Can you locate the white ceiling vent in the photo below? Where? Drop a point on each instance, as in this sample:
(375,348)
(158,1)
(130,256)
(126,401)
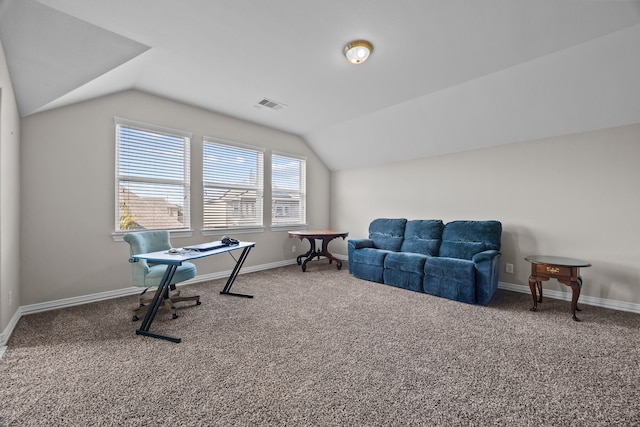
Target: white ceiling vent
(270,103)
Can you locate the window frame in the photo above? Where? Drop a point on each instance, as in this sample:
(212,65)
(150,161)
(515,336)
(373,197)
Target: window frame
(302,222)
(259,188)
(185,182)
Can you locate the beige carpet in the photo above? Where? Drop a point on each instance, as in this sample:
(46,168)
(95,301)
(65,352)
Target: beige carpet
(322,348)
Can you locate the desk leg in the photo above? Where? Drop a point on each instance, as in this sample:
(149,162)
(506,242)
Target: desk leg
(161,293)
(234,274)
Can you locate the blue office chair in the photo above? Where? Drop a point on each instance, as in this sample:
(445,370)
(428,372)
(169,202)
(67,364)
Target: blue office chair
(148,275)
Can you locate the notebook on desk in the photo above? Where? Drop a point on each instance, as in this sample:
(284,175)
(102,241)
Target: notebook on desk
(203,247)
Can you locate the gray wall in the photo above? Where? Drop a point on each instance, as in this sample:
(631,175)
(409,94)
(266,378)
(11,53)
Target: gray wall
(9,199)
(574,196)
(68,167)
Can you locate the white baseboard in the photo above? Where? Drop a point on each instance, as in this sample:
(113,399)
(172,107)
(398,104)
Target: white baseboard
(584,299)
(4,336)
(101,296)
(225,274)
(85,299)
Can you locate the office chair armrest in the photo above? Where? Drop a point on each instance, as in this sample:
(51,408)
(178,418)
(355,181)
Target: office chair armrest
(141,262)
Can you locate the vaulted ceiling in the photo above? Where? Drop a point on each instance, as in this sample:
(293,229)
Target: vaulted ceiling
(445,75)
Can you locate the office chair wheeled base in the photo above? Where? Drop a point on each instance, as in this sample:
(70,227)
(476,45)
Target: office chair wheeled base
(169,303)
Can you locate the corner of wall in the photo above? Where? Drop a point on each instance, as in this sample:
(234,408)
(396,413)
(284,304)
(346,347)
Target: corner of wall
(9,199)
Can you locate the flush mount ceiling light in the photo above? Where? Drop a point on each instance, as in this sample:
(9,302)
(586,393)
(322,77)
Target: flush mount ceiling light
(358,51)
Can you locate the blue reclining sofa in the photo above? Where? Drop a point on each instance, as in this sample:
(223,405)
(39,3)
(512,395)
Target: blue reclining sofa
(459,260)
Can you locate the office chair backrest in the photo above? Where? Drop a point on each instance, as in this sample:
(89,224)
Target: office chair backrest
(142,242)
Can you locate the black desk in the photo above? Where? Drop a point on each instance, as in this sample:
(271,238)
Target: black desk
(173,260)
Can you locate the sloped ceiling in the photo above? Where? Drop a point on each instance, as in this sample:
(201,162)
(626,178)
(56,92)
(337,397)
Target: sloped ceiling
(51,53)
(445,75)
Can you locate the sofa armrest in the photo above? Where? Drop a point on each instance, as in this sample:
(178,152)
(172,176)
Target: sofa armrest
(487,255)
(352,245)
(487,271)
(360,243)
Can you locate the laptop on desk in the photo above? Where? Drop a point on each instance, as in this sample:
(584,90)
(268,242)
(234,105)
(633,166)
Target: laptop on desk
(203,247)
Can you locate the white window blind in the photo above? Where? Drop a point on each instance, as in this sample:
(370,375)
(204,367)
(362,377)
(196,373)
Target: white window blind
(233,185)
(288,190)
(152,177)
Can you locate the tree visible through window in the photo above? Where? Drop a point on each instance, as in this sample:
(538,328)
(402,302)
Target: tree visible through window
(152,177)
(288,190)
(232,177)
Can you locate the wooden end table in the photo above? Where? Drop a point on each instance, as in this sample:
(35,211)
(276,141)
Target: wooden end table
(311,235)
(564,270)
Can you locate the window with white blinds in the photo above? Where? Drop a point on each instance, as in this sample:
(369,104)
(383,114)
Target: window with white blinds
(233,190)
(152,177)
(288,190)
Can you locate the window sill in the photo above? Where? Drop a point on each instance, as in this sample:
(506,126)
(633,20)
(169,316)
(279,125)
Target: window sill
(287,227)
(227,231)
(118,235)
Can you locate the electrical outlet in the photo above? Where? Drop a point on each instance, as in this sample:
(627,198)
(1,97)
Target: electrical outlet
(508,268)
(9,297)
(293,248)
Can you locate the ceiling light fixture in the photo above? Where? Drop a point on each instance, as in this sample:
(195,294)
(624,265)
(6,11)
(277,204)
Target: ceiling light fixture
(358,51)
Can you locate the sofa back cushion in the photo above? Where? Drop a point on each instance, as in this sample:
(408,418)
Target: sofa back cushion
(387,233)
(423,236)
(464,239)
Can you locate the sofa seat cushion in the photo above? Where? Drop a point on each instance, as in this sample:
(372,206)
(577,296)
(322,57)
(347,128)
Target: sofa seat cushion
(370,256)
(450,278)
(404,261)
(368,264)
(404,270)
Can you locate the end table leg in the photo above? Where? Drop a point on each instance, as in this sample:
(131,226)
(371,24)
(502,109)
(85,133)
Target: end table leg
(575,294)
(539,284)
(580,286)
(533,283)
